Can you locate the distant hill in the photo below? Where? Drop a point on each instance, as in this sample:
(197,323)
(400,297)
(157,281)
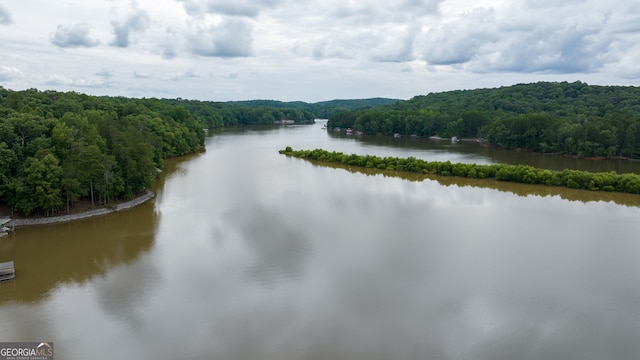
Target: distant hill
(559,117)
(322,109)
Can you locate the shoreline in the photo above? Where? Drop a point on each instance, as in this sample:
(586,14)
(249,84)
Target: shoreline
(17,223)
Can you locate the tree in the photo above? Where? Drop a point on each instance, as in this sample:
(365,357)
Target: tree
(40,189)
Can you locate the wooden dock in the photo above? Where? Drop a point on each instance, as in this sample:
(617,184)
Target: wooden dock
(7,271)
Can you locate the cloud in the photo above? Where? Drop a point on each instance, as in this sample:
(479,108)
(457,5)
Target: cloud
(73,36)
(372,13)
(138,22)
(518,39)
(141,75)
(248,8)
(5,16)
(372,47)
(422,6)
(458,41)
(10,73)
(330,48)
(568,50)
(93,81)
(104,73)
(396,46)
(167,45)
(563,42)
(232,37)
(182,76)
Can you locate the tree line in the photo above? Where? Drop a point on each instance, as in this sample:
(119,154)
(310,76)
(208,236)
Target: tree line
(57,148)
(265,112)
(574,179)
(565,118)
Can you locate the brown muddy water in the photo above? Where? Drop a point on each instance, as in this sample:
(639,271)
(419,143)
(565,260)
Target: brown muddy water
(248,254)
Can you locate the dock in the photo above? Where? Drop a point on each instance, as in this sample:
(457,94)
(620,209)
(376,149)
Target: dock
(4,231)
(7,271)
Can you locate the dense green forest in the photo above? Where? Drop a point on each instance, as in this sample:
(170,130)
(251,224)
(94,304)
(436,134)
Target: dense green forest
(322,109)
(57,148)
(565,118)
(574,179)
(265,112)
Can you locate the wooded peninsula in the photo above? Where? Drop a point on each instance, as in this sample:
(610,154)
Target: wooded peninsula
(574,179)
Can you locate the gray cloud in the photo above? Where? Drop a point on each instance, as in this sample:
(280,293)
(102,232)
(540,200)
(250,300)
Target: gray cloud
(329,48)
(5,16)
(522,39)
(167,46)
(396,48)
(137,22)
(230,38)
(563,51)
(447,43)
(104,73)
(444,47)
(248,8)
(73,36)
(563,41)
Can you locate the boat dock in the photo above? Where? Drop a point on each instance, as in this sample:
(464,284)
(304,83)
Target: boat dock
(4,231)
(7,271)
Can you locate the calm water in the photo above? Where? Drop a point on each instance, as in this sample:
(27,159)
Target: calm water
(248,254)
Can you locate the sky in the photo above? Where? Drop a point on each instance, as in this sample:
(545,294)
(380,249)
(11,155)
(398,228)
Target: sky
(313,50)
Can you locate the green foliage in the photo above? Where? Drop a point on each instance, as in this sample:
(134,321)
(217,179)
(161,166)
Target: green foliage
(567,118)
(266,112)
(56,148)
(575,179)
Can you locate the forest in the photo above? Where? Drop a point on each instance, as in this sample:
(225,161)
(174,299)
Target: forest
(574,179)
(564,118)
(265,112)
(57,148)
(60,148)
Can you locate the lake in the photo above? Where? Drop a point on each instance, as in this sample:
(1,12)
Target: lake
(248,254)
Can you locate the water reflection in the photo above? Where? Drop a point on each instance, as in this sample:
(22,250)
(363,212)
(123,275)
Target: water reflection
(472,152)
(279,249)
(46,257)
(514,188)
(249,254)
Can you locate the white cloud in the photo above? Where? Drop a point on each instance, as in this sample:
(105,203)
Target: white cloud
(73,36)
(10,73)
(82,82)
(317,49)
